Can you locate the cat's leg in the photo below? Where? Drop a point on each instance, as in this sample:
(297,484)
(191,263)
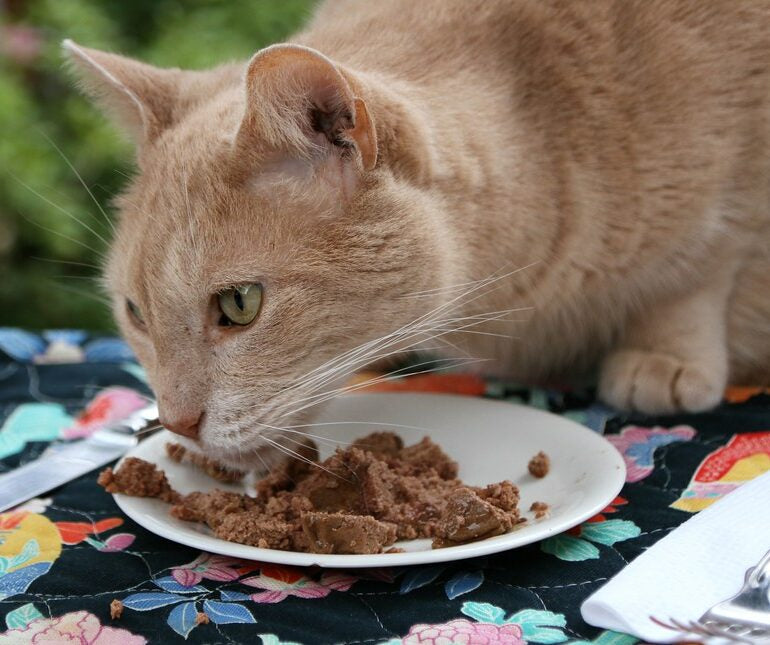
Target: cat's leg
(748,321)
(673,357)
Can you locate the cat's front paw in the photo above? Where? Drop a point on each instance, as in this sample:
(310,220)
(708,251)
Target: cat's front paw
(658,383)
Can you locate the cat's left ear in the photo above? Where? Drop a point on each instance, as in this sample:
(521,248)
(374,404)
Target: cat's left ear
(302,111)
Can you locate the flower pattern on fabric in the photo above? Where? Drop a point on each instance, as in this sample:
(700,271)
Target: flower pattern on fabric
(37,581)
(211,567)
(77,628)
(29,545)
(31,542)
(579,543)
(31,422)
(62,346)
(638,446)
(110,405)
(281,582)
(489,627)
(463,631)
(744,457)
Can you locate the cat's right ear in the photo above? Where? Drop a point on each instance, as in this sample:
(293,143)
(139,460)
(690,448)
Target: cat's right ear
(303,118)
(138,97)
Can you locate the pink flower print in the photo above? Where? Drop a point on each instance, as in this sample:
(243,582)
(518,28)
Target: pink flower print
(464,632)
(209,566)
(638,445)
(75,628)
(281,582)
(110,405)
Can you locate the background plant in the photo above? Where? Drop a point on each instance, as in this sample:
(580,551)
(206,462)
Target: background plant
(48,261)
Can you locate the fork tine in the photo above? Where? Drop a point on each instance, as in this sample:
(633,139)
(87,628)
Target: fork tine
(714,629)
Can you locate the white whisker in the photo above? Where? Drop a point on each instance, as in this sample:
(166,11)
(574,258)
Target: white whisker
(81,180)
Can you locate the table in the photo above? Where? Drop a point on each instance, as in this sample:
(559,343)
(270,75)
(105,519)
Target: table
(66,556)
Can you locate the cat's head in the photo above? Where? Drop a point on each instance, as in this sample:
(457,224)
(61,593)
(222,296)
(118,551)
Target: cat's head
(259,239)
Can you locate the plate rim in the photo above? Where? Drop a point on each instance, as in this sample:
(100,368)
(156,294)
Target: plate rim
(356,561)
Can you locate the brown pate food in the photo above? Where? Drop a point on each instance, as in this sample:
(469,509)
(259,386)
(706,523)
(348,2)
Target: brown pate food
(539,465)
(362,499)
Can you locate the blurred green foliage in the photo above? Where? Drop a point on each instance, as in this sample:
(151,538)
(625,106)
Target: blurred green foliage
(48,260)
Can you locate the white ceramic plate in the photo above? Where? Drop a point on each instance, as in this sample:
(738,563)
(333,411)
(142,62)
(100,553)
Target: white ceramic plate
(491,441)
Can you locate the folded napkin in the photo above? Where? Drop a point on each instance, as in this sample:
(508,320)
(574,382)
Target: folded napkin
(699,564)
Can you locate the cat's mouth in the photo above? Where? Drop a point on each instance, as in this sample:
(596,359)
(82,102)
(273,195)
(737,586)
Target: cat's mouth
(237,453)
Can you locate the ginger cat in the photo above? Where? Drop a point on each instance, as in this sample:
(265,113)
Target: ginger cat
(408,175)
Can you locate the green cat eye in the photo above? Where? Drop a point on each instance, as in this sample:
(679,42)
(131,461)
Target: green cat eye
(240,305)
(134,311)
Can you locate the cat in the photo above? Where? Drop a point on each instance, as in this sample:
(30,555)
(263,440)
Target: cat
(540,185)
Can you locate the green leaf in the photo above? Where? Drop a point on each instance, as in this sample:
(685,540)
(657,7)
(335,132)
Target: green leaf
(484,612)
(272,639)
(29,551)
(615,638)
(97,544)
(569,548)
(538,626)
(609,638)
(609,531)
(22,616)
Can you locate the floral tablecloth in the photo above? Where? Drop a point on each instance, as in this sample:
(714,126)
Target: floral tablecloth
(65,557)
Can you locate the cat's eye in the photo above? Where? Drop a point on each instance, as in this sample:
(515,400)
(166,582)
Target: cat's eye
(135,313)
(240,305)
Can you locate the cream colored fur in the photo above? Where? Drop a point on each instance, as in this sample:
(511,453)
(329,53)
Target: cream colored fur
(620,150)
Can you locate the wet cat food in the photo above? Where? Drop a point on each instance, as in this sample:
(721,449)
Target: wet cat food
(362,499)
(138,478)
(178,453)
(540,509)
(539,465)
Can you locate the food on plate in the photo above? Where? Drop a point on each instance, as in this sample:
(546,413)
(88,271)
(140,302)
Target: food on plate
(539,465)
(362,499)
(178,453)
(540,509)
(138,478)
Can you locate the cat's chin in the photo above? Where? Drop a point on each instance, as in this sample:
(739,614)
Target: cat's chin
(259,459)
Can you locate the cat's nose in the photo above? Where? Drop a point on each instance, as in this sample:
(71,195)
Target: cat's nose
(185,425)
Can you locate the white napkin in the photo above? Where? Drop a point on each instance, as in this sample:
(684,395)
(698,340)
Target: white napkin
(697,565)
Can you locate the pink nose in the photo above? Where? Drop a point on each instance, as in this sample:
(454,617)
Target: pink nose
(186,426)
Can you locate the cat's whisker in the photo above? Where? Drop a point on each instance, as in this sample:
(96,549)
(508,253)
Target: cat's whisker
(84,294)
(451,287)
(456,301)
(477,319)
(334,394)
(75,218)
(81,180)
(304,434)
(393,372)
(64,237)
(325,396)
(330,374)
(67,262)
(295,455)
(379,424)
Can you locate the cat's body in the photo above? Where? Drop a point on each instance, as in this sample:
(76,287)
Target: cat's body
(617,152)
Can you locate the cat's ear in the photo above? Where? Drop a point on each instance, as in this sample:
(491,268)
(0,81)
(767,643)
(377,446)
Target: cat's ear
(139,97)
(301,108)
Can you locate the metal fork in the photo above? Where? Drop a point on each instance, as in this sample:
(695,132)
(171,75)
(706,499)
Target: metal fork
(744,618)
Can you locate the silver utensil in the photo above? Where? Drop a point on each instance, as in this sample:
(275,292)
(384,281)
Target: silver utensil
(744,618)
(64,462)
